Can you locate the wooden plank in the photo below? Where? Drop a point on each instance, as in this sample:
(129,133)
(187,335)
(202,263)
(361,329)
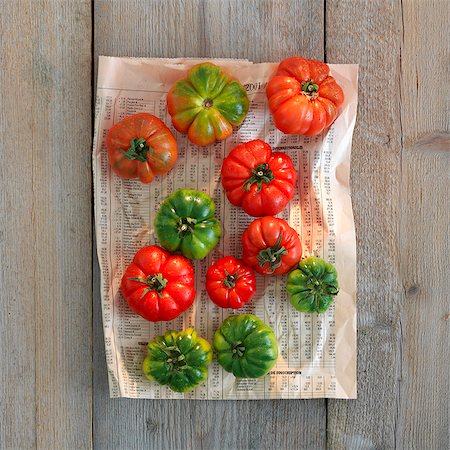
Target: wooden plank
(17,308)
(46,310)
(398,186)
(424,389)
(63,224)
(374,42)
(261,31)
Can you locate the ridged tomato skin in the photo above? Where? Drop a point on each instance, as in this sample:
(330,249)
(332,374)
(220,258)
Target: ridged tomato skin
(262,182)
(271,246)
(207,104)
(157,285)
(141,146)
(303,97)
(230,283)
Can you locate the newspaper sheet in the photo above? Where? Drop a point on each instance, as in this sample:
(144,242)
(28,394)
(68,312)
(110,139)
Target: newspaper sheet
(317,353)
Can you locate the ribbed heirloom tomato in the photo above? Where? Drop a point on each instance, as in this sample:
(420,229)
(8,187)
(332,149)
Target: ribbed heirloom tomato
(141,146)
(303,97)
(313,285)
(271,246)
(178,359)
(260,181)
(207,104)
(158,285)
(185,222)
(246,346)
(230,283)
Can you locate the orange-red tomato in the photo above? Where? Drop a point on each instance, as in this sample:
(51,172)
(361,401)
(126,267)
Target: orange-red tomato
(158,285)
(303,97)
(260,181)
(141,146)
(271,246)
(230,283)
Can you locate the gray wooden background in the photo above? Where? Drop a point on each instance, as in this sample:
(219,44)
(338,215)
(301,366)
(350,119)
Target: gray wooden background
(53,381)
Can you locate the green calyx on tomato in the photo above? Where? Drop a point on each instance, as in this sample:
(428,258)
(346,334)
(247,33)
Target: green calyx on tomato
(185,222)
(138,150)
(246,346)
(310,88)
(261,174)
(186,225)
(155,282)
(313,285)
(178,359)
(207,104)
(230,279)
(272,255)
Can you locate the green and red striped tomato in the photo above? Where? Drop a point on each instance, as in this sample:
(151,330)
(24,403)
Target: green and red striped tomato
(207,104)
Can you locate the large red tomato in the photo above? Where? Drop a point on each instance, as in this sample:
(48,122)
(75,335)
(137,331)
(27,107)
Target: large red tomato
(260,181)
(141,146)
(303,97)
(230,283)
(158,285)
(271,246)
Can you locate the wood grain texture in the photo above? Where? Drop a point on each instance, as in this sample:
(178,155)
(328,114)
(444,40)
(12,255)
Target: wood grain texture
(257,30)
(369,422)
(398,186)
(424,388)
(17,308)
(46,307)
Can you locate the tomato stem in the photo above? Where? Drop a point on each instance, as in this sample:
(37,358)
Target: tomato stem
(138,150)
(208,103)
(272,255)
(310,89)
(238,349)
(186,225)
(261,174)
(154,282)
(175,359)
(230,280)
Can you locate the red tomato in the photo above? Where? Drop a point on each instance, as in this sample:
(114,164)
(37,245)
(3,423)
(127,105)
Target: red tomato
(271,246)
(158,285)
(141,146)
(303,97)
(230,283)
(260,181)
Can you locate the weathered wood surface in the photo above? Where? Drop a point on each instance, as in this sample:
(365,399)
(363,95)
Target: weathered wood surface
(400,179)
(45,231)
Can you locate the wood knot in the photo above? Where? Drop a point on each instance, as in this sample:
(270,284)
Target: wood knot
(412,291)
(151,425)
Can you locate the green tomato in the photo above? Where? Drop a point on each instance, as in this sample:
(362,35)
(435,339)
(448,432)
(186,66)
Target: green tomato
(246,346)
(178,359)
(313,286)
(185,222)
